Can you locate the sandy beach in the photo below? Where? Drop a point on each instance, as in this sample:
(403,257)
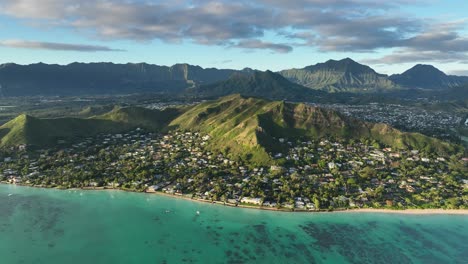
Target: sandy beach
(411,211)
(256,207)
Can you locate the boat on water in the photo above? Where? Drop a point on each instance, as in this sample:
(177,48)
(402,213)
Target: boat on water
(198,212)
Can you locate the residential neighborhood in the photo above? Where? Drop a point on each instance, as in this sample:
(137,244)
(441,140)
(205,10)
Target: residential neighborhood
(434,123)
(326,174)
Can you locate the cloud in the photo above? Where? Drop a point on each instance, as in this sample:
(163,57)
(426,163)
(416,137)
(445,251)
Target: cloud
(439,43)
(459,72)
(415,55)
(54,46)
(222,61)
(326,25)
(257,44)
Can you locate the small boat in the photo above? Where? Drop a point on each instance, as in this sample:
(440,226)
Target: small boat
(10,194)
(198,212)
(167,211)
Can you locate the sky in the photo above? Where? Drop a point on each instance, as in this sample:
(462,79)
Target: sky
(389,36)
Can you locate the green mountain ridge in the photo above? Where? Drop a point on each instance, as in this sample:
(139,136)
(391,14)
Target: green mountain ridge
(260,84)
(248,128)
(37,132)
(340,76)
(102,78)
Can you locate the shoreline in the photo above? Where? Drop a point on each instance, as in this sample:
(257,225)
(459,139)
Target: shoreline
(432,211)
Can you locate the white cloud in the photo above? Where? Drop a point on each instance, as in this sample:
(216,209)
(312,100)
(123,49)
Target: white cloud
(13,43)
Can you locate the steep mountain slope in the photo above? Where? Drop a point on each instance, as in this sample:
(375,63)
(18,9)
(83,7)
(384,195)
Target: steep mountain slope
(246,128)
(257,83)
(339,76)
(129,117)
(33,131)
(102,78)
(427,77)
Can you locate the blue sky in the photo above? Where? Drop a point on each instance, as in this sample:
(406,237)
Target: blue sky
(260,34)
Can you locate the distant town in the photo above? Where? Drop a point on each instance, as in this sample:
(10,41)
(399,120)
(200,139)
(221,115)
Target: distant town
(435,123)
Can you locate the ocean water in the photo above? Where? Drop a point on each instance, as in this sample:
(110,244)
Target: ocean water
(74,226)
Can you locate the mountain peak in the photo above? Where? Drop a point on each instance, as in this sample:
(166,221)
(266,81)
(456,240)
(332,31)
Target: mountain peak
(346,60)
(258,83)
(425,69)
(345,75)
(427,77)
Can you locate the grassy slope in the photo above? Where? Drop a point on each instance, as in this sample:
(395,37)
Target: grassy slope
(42,132)
(130,117)
(246,127)
(232,122)
(45,132)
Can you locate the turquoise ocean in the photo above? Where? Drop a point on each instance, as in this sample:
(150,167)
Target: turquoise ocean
(75,226)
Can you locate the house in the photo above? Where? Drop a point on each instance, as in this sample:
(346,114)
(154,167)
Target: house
(299,204)
(16,180)
(152,188)
(249,200)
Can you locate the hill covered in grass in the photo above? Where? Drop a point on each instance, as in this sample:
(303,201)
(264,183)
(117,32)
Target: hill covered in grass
(248,128)
(41,132)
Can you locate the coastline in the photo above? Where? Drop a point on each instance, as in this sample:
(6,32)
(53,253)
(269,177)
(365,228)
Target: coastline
(432,211)
(438,211)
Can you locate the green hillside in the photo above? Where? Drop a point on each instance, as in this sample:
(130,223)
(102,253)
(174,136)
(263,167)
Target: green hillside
(257,83)
(43,132)
(248,128)
(130,117)
(26,129)
(340,76)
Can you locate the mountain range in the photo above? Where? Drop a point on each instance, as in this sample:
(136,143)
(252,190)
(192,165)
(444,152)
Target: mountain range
(244,128)
(108,78)
(102,78)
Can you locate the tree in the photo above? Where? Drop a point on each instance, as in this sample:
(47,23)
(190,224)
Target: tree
(316,202)
(367,172)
